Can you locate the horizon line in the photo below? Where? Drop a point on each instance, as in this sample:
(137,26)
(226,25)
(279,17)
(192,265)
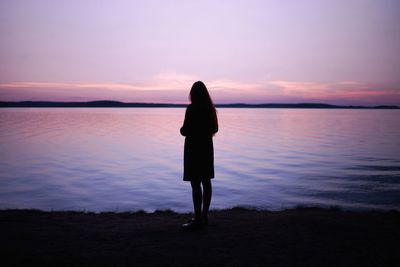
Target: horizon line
(116,103)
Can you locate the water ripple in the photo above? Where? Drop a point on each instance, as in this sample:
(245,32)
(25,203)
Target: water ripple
(129,159)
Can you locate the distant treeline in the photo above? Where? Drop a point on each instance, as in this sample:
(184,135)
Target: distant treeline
(117,104)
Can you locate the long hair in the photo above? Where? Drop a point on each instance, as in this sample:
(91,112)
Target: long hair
(200,98)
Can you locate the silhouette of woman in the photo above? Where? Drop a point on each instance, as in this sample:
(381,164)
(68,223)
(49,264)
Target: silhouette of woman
(199,127)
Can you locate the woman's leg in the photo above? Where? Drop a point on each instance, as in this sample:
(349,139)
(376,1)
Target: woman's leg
(207,193)
(197,199)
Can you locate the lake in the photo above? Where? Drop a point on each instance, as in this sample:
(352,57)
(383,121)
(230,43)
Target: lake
(127,159)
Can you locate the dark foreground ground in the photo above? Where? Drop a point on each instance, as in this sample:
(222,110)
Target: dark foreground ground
(237,237)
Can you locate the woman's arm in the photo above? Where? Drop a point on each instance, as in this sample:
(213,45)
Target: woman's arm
(215,130)
(185,129)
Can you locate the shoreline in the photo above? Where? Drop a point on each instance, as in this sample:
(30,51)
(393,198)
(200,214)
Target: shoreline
(303,236)
(249,208)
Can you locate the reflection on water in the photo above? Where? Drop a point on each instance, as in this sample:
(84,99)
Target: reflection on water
(128,159)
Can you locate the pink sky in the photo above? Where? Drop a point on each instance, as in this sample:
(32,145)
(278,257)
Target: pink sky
(339,52)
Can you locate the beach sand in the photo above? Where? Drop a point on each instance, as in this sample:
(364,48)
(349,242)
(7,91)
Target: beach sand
(235,237)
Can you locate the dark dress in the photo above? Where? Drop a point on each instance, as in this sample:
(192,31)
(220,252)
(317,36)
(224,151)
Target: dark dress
(199,127)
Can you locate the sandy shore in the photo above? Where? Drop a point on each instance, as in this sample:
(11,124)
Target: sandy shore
(236,237)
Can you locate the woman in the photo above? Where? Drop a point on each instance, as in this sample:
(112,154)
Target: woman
(199,127)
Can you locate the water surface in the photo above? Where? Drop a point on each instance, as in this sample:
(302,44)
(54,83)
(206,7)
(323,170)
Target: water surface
(102,159)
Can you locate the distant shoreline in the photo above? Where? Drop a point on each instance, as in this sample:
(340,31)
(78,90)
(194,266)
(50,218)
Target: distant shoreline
(117,104)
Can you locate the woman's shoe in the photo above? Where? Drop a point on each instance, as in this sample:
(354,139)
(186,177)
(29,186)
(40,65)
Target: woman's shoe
(192,224)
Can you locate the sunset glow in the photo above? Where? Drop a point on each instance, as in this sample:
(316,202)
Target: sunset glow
(245,51)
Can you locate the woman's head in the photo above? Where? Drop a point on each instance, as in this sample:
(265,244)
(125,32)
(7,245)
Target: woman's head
(199,95)
(200,98)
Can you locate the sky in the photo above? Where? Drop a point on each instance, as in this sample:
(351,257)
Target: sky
(245,51)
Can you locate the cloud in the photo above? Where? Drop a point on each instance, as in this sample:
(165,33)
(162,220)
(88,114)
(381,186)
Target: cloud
(355,91)
(165,80)
(300,87)
(170,86)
